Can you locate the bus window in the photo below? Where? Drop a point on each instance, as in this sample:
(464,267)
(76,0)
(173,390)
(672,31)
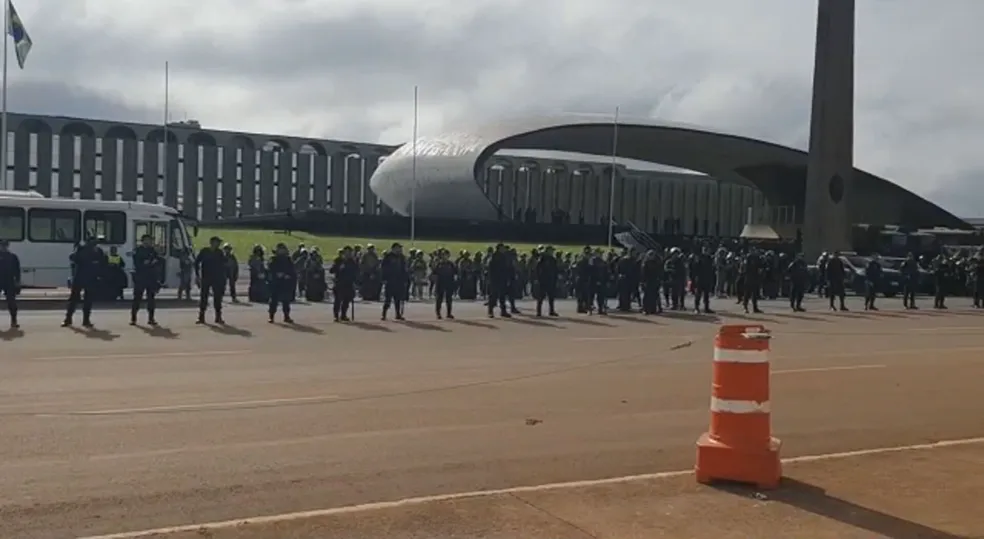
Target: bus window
(155,229)
(12,224)
(108,224)
(54,226)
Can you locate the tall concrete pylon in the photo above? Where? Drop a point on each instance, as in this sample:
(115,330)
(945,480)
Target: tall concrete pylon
(828,214)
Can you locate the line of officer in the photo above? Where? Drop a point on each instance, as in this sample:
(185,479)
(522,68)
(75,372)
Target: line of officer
(88,265)
(147,268)
(10,280)
(210,272)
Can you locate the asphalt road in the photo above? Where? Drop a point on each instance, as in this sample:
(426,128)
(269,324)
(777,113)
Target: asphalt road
(126,428)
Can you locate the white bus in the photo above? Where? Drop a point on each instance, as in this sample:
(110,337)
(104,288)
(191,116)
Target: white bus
(43,232)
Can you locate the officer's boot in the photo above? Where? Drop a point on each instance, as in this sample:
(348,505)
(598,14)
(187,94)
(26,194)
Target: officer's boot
(287,318)
(133,315)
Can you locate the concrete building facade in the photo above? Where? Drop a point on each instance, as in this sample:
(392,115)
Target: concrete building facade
(212,174)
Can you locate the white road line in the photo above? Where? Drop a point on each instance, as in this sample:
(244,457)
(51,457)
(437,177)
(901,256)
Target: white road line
(204,528)
(199,406)
(202,353)
(947,328)
(826,369)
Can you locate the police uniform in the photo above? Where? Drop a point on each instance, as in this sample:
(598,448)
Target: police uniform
(147,264)
(89,265)
(10,280)
(210,267)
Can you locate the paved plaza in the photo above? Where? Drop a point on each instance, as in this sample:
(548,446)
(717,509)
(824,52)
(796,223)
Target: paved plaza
(124,429)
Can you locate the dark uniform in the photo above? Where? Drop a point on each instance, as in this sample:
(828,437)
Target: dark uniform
(501,274)
(702,275)
(395,275)
(10,280)
(600,277)
(283,282)
(941,273)
(910,281)
(978,269)
(835,281)
(799,278)
(872,282)
(345,271)
(147,266)
(547,270)
(652,279)
(89,262)
(751,272)
(582,282)
(445,275)
(211,270)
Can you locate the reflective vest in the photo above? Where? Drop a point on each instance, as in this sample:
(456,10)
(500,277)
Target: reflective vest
(115,260)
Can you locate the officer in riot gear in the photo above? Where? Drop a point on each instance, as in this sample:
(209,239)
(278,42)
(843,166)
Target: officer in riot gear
(89,263)
(872,282)
(395,274)
(546,271)
(211,274)
(835,275)
(283,282)
(799,277)
(445,275)
(147,267)
(10,280)
(910,281)
(345,271)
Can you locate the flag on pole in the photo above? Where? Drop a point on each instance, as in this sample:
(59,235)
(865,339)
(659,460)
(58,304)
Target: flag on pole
(16,30)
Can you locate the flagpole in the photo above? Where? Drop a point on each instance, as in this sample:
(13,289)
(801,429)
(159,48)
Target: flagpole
(611,190)
(3,97)
(413,175)
(167,103)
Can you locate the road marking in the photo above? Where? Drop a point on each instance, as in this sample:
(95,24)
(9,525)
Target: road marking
(947,328)
(199,406)
(826,369)
(204,528)
(202,353)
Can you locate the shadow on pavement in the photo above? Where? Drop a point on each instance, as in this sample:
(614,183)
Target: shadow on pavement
(159,332)
(800,316)
(367,326)
(303,328)
(586,321)
(424,326)
(96,334)
(11,334)
(474,324)
(523,320)
(813,499)
(232,331)
(637,318)
(692,317)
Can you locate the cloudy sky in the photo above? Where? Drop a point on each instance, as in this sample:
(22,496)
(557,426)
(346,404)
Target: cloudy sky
(345,69)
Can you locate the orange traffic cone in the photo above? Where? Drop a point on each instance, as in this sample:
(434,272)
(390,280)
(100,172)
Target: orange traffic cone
(739,445)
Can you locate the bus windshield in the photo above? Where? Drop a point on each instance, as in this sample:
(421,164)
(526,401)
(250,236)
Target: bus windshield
(180,240)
